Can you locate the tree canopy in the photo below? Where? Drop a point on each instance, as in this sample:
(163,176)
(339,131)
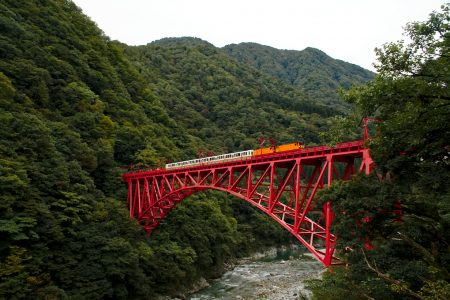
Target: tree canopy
(76,109)
(397,230)
(312,71)
(227,105)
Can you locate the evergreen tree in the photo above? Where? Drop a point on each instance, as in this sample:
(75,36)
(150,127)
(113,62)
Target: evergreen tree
(396,230)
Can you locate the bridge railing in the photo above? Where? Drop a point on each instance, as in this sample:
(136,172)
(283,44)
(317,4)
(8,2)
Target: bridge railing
(308,151)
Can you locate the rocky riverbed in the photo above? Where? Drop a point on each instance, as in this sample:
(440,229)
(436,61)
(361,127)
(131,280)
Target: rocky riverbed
(278,274)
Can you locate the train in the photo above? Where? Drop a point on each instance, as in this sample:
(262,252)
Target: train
(247,154)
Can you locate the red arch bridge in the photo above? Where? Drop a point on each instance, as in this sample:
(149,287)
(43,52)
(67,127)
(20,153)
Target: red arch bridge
(283,185)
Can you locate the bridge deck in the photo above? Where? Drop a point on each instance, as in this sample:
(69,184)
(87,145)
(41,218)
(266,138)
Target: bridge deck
(314,152)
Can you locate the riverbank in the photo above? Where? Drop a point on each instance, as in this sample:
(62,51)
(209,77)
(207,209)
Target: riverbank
(276,274)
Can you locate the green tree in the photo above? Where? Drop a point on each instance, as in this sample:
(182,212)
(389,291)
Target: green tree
(75,108)
(411,96)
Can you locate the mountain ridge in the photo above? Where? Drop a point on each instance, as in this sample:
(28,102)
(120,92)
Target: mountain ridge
(226,99)
(311,70)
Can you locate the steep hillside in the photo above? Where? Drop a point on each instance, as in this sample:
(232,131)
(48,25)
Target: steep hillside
(226,104)
(76,109)
(73,112)
(316,74)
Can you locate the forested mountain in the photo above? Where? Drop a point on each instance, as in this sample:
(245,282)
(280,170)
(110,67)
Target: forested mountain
(76,109)
(226,104)
(314,73)
(73,110)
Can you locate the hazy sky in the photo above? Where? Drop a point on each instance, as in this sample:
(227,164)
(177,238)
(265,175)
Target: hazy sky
(345,29)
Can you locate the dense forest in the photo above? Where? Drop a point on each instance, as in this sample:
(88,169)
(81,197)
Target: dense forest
(397,238)
(311,71)
(77,109)
(212,96)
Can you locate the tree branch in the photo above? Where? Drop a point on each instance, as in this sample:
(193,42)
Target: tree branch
(391,280)
(428,256)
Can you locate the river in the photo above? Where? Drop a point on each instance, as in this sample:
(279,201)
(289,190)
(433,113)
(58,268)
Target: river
(278,274)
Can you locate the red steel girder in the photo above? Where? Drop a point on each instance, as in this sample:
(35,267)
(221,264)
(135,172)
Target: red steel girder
(283,185)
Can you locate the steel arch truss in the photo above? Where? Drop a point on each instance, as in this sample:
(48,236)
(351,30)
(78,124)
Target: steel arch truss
(281,185)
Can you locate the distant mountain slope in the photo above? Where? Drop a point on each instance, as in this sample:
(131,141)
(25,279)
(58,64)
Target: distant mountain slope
(225,103)
(311,70)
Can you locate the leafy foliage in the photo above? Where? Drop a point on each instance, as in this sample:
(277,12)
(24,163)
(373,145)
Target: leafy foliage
(411,253)
(75,108)
(228,106)
(314,73)
(65,95)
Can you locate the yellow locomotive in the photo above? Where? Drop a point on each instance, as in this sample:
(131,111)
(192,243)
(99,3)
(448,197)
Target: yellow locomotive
(280,148)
